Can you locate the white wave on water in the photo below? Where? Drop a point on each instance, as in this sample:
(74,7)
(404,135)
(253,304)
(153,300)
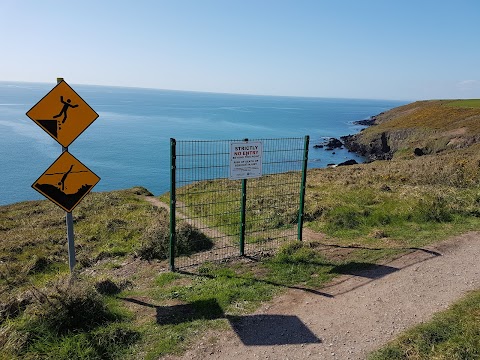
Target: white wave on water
(25,128)
(28,129)
(235,108)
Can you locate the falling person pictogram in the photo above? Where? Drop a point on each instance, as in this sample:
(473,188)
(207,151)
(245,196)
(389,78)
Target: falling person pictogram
(61,184)
(61,188)
(66,106)
(64,177)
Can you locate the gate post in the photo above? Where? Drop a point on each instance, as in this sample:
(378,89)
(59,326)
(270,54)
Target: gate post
(173,201)
(243,217)
(302,189)
(243,210)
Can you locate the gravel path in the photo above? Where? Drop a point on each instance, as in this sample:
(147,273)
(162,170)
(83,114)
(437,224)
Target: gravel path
(355,315)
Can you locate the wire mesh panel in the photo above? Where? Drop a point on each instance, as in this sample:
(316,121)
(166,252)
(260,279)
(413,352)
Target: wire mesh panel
(273,200)
(209,206)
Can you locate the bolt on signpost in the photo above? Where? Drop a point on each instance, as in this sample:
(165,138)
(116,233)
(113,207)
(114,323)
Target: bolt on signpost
(64,115)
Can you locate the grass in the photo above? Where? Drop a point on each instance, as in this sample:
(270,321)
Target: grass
(67,320)
(32,245)
(403,215)
(218,202)
(470,103)
(452,334)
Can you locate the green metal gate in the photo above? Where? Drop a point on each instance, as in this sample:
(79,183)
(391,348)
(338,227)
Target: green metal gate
(224,218)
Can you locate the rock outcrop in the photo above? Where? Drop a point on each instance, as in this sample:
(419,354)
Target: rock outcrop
(348,162)
(377,149)
(333,143)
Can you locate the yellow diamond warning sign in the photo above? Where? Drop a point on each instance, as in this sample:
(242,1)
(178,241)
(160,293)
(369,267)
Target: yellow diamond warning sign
(63,114)
(66,182)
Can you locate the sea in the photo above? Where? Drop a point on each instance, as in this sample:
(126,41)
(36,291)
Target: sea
(128,145)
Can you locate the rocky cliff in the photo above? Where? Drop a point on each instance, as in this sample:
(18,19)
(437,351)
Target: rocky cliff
(417,129)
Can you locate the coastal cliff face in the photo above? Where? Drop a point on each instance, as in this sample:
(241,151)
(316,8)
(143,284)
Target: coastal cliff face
(377,149)
(417,129)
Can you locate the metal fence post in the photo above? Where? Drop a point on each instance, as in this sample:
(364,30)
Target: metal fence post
(302,188)
(173,201)
(243,211)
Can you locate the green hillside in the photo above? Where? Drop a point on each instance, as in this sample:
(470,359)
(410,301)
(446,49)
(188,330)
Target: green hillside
(431,127)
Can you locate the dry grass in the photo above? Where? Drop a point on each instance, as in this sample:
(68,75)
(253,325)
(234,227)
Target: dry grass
(459,168)
(33,235)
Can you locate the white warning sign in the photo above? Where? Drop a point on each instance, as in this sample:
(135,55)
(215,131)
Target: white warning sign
(245,160)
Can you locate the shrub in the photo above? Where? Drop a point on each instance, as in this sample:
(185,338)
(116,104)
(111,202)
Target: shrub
(70,306)
(61,320)
(12,306)
(191,240)
(156,241)
(343,217)
(432,209)
(107,287)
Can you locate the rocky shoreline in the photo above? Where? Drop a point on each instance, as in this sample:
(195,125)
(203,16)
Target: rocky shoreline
(376,150)
(417,129)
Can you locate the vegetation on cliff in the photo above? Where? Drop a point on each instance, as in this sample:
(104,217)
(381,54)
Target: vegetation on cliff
(431,127)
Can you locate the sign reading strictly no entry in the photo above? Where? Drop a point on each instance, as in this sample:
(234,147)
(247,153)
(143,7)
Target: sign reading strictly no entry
(245,160)
(66,182)
(63,114)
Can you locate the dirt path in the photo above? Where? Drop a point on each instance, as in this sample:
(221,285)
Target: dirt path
(211,233)
(356,314)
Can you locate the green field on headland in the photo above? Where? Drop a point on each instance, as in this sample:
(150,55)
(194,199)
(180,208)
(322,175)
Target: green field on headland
(473,103)
(123,303)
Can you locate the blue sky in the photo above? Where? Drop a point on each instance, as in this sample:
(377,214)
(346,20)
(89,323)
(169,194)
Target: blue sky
(382,49)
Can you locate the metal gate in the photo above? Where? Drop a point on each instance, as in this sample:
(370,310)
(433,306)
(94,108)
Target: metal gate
(222,218)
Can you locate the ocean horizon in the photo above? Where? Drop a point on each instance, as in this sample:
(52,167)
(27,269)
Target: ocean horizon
(128,145)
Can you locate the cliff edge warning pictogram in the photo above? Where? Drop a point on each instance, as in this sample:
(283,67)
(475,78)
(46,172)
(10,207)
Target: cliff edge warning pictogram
(63,114)
(66,182)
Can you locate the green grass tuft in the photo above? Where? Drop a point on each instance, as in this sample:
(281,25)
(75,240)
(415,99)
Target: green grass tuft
(67,320)
(453,334)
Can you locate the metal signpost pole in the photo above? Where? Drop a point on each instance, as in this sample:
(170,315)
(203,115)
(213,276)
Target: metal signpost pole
(70,235)
(69,223)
